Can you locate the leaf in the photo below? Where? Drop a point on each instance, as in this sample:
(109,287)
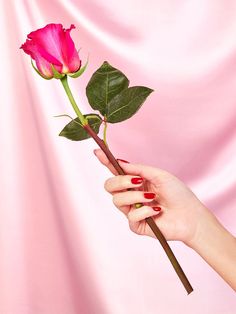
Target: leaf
(74,130)
(127,103)
(104,85)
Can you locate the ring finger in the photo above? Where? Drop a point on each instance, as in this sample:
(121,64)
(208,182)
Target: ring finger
(132,197)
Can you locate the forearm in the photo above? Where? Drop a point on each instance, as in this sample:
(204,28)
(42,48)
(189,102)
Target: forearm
(217,247)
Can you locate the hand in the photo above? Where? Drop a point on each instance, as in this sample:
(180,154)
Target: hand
(182,217)
(181,211)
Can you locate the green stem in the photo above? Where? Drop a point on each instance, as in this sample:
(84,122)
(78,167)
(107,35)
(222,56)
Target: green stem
(64,82)
(105,131)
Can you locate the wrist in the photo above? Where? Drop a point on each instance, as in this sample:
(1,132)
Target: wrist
(207,223)
(216,245)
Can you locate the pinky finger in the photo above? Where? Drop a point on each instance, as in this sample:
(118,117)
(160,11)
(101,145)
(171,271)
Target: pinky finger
(138,214)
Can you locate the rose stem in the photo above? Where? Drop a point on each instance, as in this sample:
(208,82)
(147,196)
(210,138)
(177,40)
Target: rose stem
(64,82)
(149,220)
(116,165)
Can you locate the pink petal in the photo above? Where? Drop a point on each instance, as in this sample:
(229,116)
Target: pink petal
(53,44)
(70,55)
(42,64)
(48,38)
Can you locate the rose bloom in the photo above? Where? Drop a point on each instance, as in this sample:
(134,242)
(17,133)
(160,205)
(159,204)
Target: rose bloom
(52,44)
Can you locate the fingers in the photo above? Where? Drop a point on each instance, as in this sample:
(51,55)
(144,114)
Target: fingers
(121,182)
(132,197)
(138,214)
(153,174)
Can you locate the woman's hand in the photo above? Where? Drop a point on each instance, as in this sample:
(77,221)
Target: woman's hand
(181,211)
(182,217)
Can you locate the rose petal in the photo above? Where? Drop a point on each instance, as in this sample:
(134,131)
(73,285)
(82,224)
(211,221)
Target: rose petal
(53,44)
(43,65)
(70,55)
(48,38)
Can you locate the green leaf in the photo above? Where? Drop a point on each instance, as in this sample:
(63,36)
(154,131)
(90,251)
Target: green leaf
(104,85)
(127,103)
(80,71)
(74,130)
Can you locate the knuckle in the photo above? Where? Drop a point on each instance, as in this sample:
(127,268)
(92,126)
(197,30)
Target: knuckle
(115,200)
(119,180)
(106,185)
(130,216)
(146,210)
(132,228)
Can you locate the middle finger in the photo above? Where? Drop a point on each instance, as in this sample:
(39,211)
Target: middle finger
(122,182)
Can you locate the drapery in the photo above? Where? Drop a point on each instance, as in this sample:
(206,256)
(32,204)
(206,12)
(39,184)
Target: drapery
(64,247)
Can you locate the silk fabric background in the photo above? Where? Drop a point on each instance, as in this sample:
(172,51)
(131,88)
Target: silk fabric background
(65,248)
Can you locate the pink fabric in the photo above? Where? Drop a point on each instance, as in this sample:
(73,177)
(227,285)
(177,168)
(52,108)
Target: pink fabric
(65,248)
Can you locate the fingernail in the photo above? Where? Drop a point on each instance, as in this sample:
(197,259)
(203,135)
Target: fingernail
(123,160)
(136,180)
(157,208)
(149,195)
(95,152)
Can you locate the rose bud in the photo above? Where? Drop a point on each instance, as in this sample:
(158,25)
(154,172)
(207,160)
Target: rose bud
(54,52)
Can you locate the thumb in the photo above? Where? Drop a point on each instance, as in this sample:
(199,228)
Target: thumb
(104,160)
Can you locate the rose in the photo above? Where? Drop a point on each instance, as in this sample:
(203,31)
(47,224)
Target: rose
(53,51)
(108,92)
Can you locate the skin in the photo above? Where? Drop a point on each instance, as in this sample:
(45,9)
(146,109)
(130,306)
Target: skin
(183,217)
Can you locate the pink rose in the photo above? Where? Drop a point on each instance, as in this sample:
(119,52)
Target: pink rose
(52,45)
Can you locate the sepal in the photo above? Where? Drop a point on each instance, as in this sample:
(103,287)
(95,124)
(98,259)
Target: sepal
(80,71)
(44,77)
(56,74)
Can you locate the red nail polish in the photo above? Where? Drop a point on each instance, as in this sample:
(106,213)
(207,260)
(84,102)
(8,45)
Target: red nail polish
(123,160)
(157,208)
(136,180)
(149,195)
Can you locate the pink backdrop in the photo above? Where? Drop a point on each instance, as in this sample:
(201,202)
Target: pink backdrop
(65,248)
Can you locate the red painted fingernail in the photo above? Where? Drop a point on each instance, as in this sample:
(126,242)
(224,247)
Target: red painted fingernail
(157,208)
(136,180)
(149,195)
(123,160)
